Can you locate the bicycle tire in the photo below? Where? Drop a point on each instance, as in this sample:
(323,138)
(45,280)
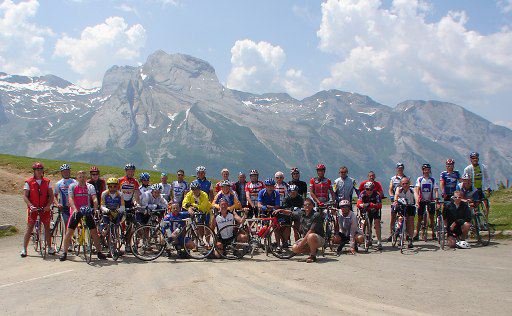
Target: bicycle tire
(58,233)
(236,249)
(113,241)
(278,251)
(148,243)
(204,245)
(394,235)
(87,246)
(441,235)
(77,243)
(35,236)
(42,243)
(481,226)
(367,231)
(402,236)
(424,229)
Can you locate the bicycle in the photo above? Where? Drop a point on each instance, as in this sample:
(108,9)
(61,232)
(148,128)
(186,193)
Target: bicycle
(366,227)
(400,225)
(329,212)
(424,223)
(83,240)
(480,226)
(38,239)
(57,228)
(440,227)
(149,241)
(112,233)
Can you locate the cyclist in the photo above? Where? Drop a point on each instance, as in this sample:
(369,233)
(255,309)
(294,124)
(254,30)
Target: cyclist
(225,177)
(205,185)
(173,222)
(252,190)
(112,203)
(61,192)
(448,180)
(98,183)
(240,190)
(80,196)
(227,193)
(166,187)
(151,200)
(345,186)
(347,228)
(292,201)
(38,194)
(144,180)
(268,198)
(311,226)
(131,197)
(480,179)
(197,199)
(376,184)
(406,193)
(458,219)
(393,184)
(303,186)
(370,201)
(320,187)
(281,186)
(179,188)
(425,192)
(223,219)
(469,193)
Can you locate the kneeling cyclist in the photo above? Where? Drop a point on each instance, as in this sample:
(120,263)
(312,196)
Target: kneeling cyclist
(458,220)
(348,231)
(369,201)
(223,219)
(173,227)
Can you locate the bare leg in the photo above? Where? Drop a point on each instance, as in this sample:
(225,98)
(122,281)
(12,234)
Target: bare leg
(28,232)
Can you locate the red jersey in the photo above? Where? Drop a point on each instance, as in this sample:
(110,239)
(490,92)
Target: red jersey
(128,187)
(218,186)
(254,188)
(376,186)
(320,188)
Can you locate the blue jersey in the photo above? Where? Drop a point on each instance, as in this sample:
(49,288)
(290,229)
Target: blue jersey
(450,181)
(205,185)
(230,197)
(470,193)
(62,189)
(179,218)
(268,199)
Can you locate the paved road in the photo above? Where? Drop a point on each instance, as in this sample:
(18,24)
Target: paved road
(423,281)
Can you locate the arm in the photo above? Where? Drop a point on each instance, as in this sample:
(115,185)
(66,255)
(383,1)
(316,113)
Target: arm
(487,182)
(333,195)
(25,198)
(236,206)
(204,204)
(214,202)
(390,190)
(417,195)
(95,202)
(248,197)
(103,208)
(71,199)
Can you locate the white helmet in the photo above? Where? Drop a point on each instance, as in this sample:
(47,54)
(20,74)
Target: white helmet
(200,168)
(345,203)
(462,244)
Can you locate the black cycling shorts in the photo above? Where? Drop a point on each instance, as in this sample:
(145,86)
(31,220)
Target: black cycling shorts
(75,219)
(374,214)
(431,207)
(456,232)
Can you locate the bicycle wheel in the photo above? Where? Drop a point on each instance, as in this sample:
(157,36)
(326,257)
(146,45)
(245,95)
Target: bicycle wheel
(87,246)
(424,228)
(148,242)
(402,236)
(394,233)
(238,246)
(114,243)
(441,236)
(35,236)
(367,232)
(204,241)
(277,247)
(42,242)
(483,234)
(77,240)
(58,234)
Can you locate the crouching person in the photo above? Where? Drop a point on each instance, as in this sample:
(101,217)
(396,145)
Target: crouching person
(347,227)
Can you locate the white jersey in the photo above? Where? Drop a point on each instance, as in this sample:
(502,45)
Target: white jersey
(144,189)
(148,200)
(223,222)
(427,187)
(396,180)
(166,192)
(407,195)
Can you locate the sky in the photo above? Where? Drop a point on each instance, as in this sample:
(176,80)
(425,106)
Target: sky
(458,51)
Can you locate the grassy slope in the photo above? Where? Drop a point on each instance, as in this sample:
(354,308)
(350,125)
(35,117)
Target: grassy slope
(501,209)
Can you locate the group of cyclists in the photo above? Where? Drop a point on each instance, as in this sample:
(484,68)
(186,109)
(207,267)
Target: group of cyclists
(300,207)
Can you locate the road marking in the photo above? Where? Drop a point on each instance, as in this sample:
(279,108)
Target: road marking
(33,279)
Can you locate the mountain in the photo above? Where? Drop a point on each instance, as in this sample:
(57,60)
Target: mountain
(172,112)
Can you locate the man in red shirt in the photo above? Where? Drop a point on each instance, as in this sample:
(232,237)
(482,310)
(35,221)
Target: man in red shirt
(320,187)
(376,184)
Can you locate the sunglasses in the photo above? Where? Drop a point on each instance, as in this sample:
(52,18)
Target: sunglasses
(180,175)
(368,189)
(95,174)
(343,172)
(457,197)
(279,177)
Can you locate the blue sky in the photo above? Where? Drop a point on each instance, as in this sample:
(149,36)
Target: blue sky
(457,51)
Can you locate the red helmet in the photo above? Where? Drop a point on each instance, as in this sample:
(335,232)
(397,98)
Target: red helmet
(37,165)
(320,166)
(94,169)
(450,161)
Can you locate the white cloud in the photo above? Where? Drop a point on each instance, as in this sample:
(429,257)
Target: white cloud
(21,40)
(394,54)
(505,5)
(101,46)
(257,67)
(127,8)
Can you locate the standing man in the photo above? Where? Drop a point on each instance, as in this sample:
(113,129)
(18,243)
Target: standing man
(166,187)
(281,186)
(301,185)
(425,192)
(320,187)
(345,186)
(252,190)
(98,183)
(37,194)
(448,180)
(204,184)
(240,190)
(393,184)
(131,196)
(480,179)
(179,188)
(61,192)
(376,184)
(225,177)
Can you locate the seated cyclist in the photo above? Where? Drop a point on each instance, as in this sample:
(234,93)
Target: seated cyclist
(268,199)
(223,219)
(229,195)
(404,193)
(369,201)
(348,230)
(458,219)
(173,226)
(151,200)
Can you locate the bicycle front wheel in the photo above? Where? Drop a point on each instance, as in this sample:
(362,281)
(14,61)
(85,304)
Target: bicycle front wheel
(114,241)
(278,244)
(402,236)
(483,234)
(235,247)
(148,242)
(35,236)
(42,242)
(441,235)
(199,241)
(367,232)
(87,245)
(58,234)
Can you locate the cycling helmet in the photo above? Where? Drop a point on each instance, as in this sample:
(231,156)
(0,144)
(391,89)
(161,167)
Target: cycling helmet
(293,187)
(144,176)
(163,174)
(225,183)
(462,244)
(156,187)
(241,173)
(474,155)
(112,181)
(195,185)
(465,176)
(294,170)
(320,166)
(270,182)
(86,210)
(368,185)
(201,168)
(254,172)
(345,203)
(38,165)
(65,167)
(425,166)
(94,169)
(450,161)
(129,166)
(400,165)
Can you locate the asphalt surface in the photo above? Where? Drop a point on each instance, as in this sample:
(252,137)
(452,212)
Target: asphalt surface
(425,280)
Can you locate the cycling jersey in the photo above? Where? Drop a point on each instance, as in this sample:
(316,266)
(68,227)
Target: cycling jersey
(166,191)
(292,202)
(320,188)
(427,187)
(450,180)
(201,202)
(348,226)
(99,186)
(268,199)
(240,192)
(479,175)
(128,187)
(176,221)
(223,222)
(144,188)
(373,199)
(303,186)
(62,189)
(111,201)
(408,196)
(344,188)
(254,189)
(179,189)
(468,193)
(205,185)
(396,180)
(233,202)
(376,186)
(81,194)
(38,191)
(282,189)
(148,200)
(218,186)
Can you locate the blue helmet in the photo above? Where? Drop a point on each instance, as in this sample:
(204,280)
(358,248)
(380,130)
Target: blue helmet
(163,174)
(270,182)
(195,185)
(144,176)
(129,166)
(65,167)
